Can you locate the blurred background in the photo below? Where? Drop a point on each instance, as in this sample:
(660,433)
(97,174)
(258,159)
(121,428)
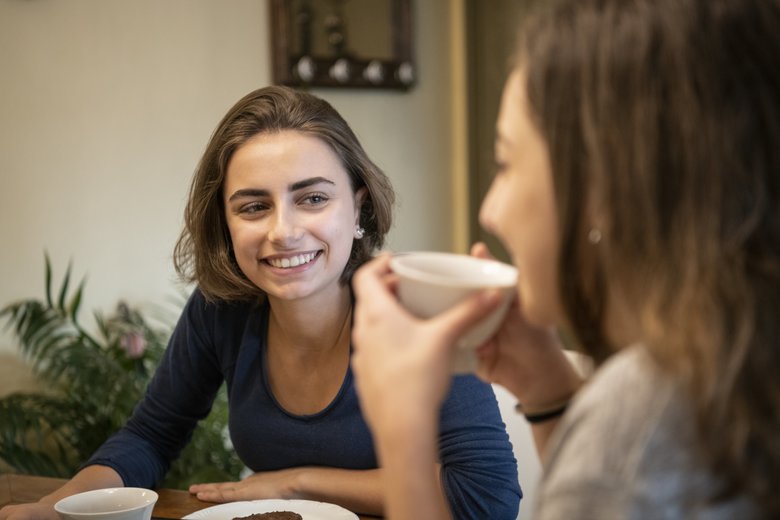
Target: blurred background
(106,107)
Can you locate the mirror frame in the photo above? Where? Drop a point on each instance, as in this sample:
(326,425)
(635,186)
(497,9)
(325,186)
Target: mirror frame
(358,71)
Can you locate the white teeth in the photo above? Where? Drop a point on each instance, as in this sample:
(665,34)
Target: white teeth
(293,261)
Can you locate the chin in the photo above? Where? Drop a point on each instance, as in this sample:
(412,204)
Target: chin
(533,317)
(290,295)
(536,313)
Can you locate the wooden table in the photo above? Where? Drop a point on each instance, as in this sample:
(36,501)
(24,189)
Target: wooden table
(173,503)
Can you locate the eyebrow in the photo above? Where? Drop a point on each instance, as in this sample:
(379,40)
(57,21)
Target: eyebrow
(305,183)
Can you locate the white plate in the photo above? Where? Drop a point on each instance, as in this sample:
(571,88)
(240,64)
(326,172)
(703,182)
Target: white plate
(308,509)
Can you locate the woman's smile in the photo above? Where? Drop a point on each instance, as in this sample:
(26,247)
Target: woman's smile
(291,261)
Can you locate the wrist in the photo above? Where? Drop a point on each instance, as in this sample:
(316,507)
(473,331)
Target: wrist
(400,422)
(539,414)
(406,440)
(550,382)
(300,484)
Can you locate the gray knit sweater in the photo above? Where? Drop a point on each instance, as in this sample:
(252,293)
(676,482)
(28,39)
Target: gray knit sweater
(626,449)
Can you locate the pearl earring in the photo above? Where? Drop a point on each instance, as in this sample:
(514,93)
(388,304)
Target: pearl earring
(594,236)
(359,232)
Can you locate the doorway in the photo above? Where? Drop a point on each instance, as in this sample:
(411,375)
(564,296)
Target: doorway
(491,30)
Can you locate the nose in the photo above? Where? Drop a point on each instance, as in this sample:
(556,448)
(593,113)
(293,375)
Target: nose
(487,210)
(284,227)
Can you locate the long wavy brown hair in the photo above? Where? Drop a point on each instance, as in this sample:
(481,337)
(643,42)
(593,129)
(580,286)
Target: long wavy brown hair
(663,122)
(204,252)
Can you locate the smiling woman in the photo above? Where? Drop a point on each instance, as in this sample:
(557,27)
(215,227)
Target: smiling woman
(204,252)
(292,232)
(284,206)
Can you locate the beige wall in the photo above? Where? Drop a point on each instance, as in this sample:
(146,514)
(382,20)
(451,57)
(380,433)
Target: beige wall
(106,105)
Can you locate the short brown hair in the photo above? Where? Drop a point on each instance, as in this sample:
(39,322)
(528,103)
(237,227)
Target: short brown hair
(204,251)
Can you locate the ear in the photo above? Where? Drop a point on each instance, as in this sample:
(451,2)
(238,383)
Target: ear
(360,198)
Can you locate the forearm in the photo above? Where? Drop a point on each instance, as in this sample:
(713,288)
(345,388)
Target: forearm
(89,478)
(410,474)
(554,382)
(357,490)
(541,434)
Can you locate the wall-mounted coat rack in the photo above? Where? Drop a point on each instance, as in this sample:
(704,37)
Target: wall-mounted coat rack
(343,43)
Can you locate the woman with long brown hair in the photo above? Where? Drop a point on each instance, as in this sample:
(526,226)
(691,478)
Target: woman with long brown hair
(637,191)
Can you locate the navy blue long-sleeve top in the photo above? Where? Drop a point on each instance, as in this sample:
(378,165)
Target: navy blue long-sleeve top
(226,341)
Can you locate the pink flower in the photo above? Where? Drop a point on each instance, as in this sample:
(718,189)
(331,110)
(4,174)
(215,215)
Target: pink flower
(134,344)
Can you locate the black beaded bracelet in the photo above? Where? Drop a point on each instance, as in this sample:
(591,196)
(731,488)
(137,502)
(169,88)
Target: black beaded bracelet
(543,415)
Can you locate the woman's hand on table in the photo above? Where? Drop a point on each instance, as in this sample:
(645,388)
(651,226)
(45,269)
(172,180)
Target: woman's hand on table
(266,484)
(356,490)
(33,511)
(91,477)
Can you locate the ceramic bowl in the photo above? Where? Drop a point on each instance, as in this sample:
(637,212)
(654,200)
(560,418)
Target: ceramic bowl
(124,503)
(431,282)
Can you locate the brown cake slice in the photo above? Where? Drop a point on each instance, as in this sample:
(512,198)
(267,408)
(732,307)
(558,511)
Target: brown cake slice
(276,515)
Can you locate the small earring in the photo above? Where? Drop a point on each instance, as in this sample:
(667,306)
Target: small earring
(594,236)
(359,232)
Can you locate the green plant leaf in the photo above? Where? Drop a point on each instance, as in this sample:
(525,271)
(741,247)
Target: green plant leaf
(75,302)
(92,387)
(48,281)
(64,288)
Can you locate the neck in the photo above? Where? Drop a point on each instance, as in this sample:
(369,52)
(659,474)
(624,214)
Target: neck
(309,326)
(308,350)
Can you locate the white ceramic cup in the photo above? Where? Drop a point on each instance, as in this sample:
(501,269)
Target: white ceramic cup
(124,503)
(432,282)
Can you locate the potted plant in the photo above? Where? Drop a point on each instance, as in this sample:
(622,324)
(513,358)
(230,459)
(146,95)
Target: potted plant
(90,385)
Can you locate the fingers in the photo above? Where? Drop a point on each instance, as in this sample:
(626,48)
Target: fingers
(194,488)
(5,512)
(486,358)
(370,277)
(460,318)
(377,304)
(374,286)
(480,250)
(218,493)
(30,511)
